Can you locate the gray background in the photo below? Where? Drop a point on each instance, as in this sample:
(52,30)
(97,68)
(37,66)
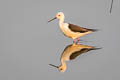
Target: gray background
(28,43)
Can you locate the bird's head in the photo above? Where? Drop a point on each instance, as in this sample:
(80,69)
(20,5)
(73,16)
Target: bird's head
(59,16)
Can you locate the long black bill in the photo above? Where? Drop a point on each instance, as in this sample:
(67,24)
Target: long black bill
(53,65)
(52,19)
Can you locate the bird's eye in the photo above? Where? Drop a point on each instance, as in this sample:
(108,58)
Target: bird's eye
(61,69)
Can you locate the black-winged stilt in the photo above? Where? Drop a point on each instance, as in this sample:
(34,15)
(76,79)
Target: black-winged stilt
(71,30)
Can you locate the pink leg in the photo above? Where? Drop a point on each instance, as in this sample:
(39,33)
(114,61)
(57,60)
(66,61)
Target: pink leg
(77,40)
(73,40)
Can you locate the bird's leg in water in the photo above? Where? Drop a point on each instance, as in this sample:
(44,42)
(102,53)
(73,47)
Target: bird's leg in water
(73,40)
(77,40)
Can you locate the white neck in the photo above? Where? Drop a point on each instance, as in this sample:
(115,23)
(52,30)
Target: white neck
(61,21)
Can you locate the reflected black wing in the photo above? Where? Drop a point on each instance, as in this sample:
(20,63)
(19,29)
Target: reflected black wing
(84,50)
(77,53)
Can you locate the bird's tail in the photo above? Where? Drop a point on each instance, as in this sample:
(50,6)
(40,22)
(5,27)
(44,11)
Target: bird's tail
(93,30)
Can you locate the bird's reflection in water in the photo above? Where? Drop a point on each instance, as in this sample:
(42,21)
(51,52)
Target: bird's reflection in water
(71,52)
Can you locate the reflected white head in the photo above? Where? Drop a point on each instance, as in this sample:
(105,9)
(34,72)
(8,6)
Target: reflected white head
(60,68)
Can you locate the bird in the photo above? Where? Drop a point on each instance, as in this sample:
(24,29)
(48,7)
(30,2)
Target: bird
(71,30)
(71,52)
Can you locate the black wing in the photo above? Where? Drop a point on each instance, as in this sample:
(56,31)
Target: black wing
(76,28)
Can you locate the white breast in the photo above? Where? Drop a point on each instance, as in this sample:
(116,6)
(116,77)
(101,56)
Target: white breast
(64,28)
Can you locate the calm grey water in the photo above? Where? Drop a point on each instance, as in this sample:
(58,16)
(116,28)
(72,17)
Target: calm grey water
(28,43)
